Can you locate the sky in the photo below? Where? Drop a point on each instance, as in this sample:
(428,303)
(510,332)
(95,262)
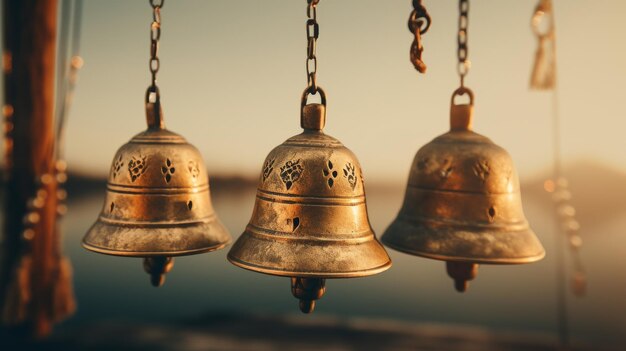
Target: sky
(232,72)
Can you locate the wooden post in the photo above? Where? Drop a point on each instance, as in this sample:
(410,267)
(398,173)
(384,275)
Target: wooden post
(30,260)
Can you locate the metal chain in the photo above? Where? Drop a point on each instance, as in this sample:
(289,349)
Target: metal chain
(462,50)
(419,22)
(155,35)
(312,33)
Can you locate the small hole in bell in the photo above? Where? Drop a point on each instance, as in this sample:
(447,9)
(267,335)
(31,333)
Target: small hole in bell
(296,223)
(112,206)
(492,213)
(190,205)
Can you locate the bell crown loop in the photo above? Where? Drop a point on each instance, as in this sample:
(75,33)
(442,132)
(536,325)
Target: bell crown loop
(154,112)
(313,116)
(461,116)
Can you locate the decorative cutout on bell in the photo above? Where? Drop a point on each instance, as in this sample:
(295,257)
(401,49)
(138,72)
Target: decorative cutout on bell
(158,203)
(463,203)
(310,219)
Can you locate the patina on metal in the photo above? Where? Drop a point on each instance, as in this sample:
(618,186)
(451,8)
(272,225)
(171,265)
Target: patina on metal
(158,202)
(419,23)
(310,218)
(463,203)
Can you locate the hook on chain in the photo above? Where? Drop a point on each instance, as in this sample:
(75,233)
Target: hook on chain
(543,75)
(419,23)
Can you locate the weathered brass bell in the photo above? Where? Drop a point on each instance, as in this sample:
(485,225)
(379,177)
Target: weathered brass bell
(463,203)
(158,202)
(310,218)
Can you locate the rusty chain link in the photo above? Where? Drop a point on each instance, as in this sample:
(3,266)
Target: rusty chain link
(462,50)
(155,36)
(419,22)
(312,33)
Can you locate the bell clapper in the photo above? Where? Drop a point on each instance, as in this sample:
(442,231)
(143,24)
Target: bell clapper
(180,220)
(308,290)
(157,267)
(326,217)
(462,273)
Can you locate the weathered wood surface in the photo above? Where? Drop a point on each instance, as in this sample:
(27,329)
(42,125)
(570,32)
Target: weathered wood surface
(33,274)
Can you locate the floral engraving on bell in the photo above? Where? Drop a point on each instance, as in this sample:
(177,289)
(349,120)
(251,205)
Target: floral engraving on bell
(117,167)
(291,172)
(268,168)
(481,169)
(328,172)
(350,174)
(136,167)
(193,168)
(168,170)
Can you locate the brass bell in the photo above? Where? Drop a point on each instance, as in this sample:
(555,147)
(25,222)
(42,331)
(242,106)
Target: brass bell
(463,203)
(157,203)
(310,219)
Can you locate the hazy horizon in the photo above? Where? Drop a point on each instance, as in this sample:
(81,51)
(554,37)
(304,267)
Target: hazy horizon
(232,73)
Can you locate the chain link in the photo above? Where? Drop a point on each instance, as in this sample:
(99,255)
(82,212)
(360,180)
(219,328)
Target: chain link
(419,22)
(155,36)
(312,33)
(463,51)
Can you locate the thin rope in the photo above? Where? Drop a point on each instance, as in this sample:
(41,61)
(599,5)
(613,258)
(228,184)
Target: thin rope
(66,94)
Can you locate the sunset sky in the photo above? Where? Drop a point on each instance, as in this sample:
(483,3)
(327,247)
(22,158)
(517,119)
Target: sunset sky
(232,72)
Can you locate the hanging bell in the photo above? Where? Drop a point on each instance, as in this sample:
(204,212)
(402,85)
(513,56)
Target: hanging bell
(463,203)
(310,219)
(157,203)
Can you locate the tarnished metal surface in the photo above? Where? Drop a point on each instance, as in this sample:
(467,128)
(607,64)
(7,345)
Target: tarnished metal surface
(310,219)
(157,201)
(463,201)
(310,216)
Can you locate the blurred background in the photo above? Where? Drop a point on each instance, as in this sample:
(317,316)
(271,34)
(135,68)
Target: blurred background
(231,77)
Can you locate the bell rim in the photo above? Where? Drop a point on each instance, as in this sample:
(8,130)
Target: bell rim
(494,261)
(177,253)
(328,275)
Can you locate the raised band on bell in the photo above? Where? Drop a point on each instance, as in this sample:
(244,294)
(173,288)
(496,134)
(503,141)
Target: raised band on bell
(158,203)
(463,203)
(310,218)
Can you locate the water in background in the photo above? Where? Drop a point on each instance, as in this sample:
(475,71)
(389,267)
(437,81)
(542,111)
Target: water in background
(519,298)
